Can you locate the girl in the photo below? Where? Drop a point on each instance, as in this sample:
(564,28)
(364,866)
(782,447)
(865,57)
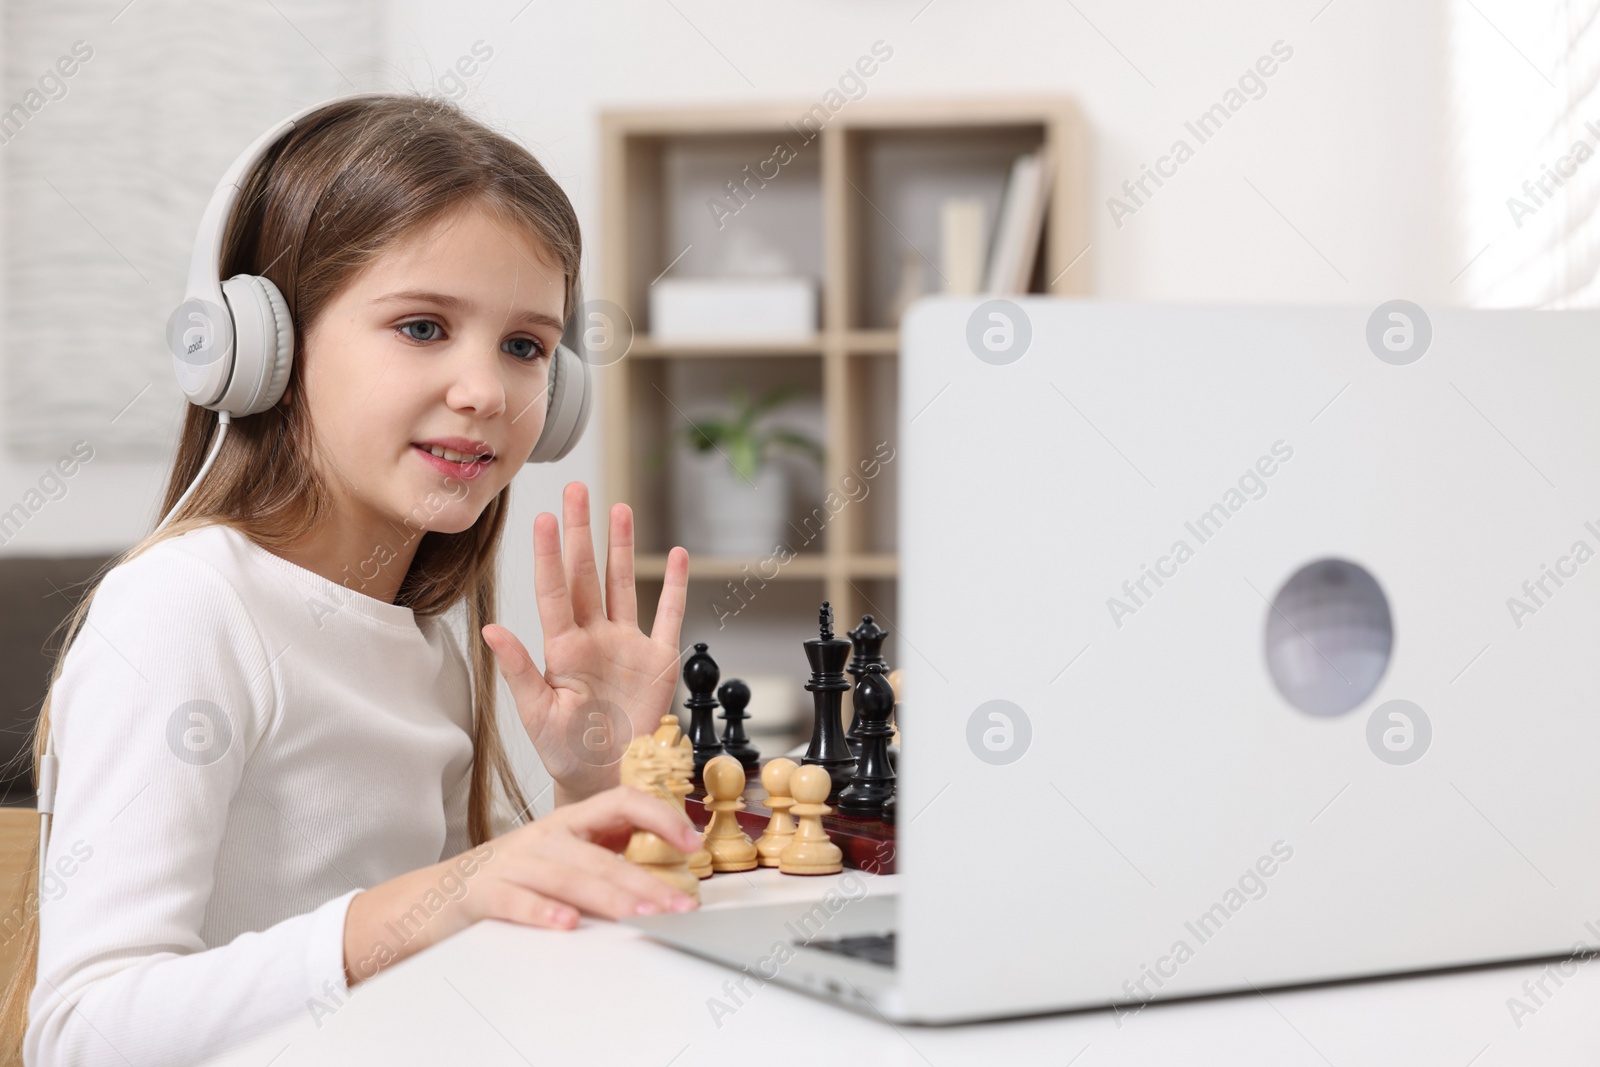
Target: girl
(278,765)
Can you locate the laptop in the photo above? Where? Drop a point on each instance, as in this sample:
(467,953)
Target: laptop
(1245,647)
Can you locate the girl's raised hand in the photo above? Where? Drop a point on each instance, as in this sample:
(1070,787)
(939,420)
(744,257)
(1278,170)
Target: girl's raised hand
(603,678)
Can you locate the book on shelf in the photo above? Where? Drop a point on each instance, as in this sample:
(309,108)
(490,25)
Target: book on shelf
(1020,225)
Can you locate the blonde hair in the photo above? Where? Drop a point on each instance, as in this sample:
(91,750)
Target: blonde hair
(351,178)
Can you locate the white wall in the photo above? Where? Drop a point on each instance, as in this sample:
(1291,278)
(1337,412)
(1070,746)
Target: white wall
(1346,143)
(1327,189)
(129,141)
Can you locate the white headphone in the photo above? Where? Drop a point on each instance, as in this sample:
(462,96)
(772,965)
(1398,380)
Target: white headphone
(233,344)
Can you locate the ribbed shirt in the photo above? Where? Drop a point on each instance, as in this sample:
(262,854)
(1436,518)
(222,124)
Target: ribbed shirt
(244,745)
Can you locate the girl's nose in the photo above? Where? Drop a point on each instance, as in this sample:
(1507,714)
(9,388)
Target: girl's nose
(477,385)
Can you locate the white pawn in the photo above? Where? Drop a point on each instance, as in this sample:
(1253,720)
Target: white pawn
(811,851)
(730,847)
(780,828)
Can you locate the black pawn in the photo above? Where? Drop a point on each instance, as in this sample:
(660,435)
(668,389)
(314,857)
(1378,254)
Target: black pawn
(700,674)
(828,748)
(735,696)
(872,784)
(866,643)
(888,811)
(894,750)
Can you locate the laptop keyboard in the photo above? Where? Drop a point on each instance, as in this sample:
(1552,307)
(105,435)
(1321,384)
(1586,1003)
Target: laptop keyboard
(874,948)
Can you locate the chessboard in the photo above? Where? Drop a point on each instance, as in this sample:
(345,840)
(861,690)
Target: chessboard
(833,808)
(868,844)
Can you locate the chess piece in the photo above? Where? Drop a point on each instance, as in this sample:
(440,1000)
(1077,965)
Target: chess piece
(700,675)
(780,827)
(678,758)
(866,645)
(873,781)
(645,767)
(734,697)
(810,851)
(731,849)
(828,748)
(897,681)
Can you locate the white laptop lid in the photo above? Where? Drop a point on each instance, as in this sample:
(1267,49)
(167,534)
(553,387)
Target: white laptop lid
(1168,822)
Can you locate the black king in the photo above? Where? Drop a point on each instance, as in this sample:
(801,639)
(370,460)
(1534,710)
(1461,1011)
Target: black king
(829,749)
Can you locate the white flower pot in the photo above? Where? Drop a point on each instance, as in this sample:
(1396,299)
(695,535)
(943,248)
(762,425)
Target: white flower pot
(717,512)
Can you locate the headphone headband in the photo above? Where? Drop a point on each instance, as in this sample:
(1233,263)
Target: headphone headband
(202,333)
(204,264)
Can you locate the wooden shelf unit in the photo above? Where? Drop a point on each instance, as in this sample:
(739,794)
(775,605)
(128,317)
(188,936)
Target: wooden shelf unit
(852,358)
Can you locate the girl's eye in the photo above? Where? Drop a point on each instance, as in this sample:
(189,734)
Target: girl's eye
(527,349)
(404,327)
(524,353)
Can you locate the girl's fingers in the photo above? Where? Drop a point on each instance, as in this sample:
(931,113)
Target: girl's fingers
(583,577)
(563,867)
(603,814)
(613,886)
(674,594)
(622,604)
(549,580)
(528,687)
(530,908)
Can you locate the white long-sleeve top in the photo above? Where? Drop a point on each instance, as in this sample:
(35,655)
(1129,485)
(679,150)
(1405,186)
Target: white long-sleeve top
(243,746)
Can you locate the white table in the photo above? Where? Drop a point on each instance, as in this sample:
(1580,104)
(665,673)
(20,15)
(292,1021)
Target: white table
(604,994)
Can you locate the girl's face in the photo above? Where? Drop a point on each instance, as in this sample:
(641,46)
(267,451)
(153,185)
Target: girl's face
(448,334)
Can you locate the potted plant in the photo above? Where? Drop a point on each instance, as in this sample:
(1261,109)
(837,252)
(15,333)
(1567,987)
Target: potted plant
(728,499)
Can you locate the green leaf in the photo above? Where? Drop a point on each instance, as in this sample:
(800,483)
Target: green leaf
(797,441)
(740,402)
(706,434)
(734,433)
(772,399)
(746,460)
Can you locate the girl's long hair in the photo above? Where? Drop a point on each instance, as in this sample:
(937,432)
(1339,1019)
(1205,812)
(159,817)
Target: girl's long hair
(351,178)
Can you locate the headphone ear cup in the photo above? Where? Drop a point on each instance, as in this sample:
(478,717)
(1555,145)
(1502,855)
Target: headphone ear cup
(571,396)
(263,349)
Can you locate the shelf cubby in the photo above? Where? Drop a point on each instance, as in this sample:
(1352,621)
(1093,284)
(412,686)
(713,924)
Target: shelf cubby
(844,208)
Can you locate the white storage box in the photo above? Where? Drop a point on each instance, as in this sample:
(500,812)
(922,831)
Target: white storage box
(728,309)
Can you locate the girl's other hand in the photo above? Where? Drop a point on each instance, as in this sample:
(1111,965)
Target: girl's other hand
(540,874)
(604,681)
(544,873)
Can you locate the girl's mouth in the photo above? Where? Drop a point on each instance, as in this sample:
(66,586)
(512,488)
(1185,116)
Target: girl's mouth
(468,469)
